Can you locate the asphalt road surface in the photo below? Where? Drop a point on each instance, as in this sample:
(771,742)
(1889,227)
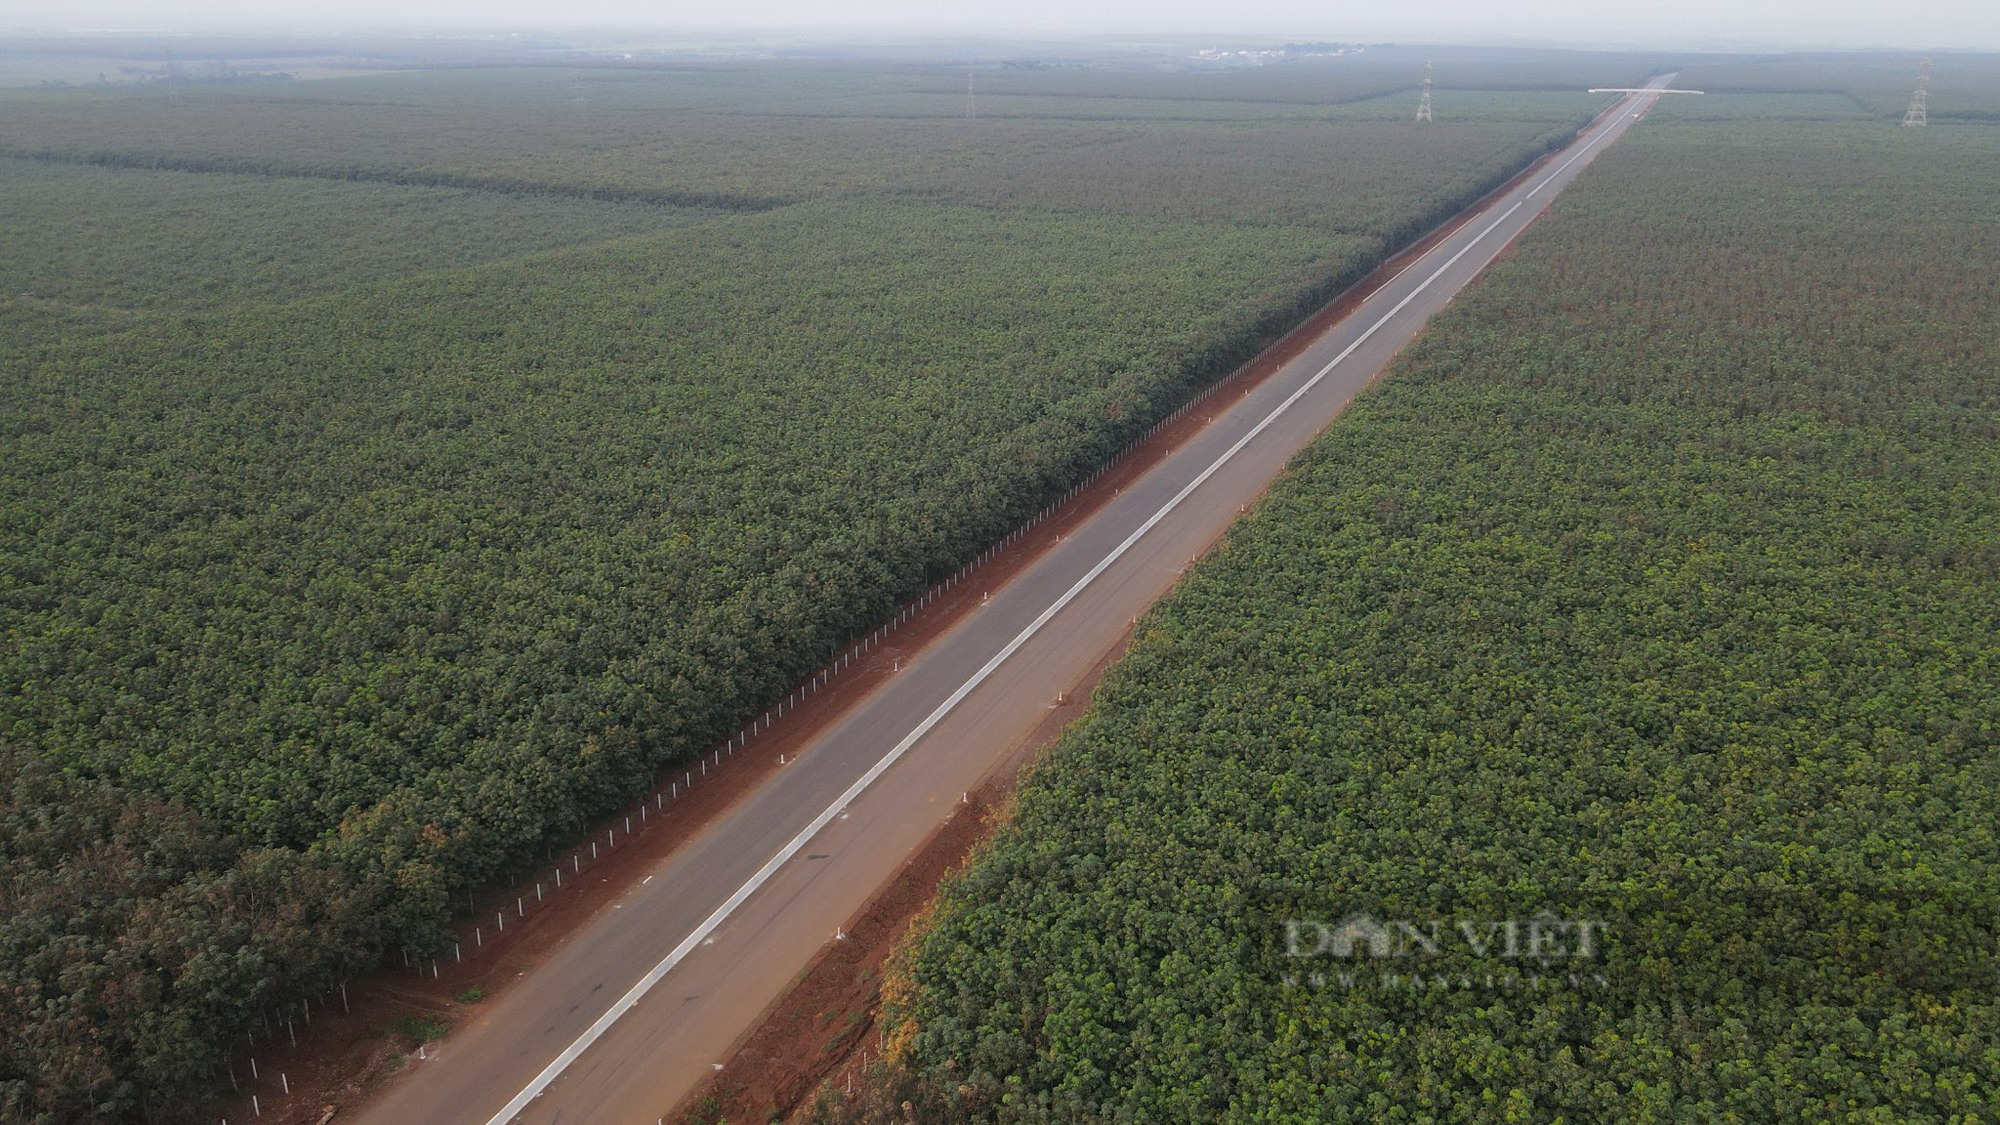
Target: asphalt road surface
(642,1005)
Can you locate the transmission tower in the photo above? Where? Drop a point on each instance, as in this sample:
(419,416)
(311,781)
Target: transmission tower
(970,112)
(1424,106)
(1918,114)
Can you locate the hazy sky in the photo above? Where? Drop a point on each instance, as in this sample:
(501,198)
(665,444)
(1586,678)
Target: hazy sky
(1888,23)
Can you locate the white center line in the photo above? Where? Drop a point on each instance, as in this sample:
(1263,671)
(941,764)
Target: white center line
(721,913)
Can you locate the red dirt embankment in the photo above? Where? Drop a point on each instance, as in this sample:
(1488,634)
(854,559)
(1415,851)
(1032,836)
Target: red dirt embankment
(354,1038)
(822,1033)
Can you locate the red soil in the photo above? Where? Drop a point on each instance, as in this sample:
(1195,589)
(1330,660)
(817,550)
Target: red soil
(824,1023)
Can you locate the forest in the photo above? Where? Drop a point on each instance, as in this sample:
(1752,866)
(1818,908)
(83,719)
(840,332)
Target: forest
(95,247)
(750,136)
(1656,587)
(402,470)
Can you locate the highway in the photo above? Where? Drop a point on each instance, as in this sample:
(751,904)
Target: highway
(642,1005)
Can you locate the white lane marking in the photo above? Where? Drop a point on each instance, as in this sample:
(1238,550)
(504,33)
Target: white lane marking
(1578,155)
(1610,115)
(700,936)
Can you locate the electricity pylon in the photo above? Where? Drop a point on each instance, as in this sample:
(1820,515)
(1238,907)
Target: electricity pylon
(1919,112)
